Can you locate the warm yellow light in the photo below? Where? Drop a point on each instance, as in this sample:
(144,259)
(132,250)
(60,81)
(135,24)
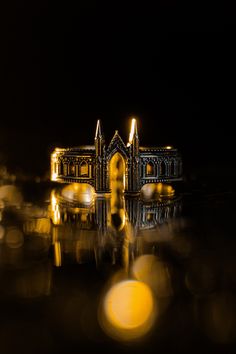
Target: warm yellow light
(38,225)
(169,147)
(132,131)
(128,310)
(156,191)
(117,186)
(57,254)
(55,209)
(78,192)
(53,176)
(53,161)
(166,190)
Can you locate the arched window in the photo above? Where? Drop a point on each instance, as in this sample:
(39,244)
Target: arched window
(150,217)
(71,169)
(150,169)
(59,167)
(172,168)
(84,169)
(65,169)
(162,168)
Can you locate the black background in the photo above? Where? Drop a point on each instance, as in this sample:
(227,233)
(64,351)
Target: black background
(171,64)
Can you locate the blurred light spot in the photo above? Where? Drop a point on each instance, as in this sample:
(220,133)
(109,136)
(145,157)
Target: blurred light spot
(133,131)
(149,269)
(55,210)
(14,238)
(57,254)
(157,191)
(54,173)
(78,192)
(39,225)
(128,310)
(11,195)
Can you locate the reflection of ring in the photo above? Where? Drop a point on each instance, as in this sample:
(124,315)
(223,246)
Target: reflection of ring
(135,211)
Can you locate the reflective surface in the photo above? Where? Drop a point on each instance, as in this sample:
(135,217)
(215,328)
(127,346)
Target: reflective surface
(128,274)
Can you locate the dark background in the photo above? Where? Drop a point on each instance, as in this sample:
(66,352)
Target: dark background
(171,64)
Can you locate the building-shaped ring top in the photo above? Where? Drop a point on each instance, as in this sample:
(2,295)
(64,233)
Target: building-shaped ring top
(91,164)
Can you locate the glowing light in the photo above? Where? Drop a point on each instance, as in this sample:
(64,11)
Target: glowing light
(10,195)
(132,131)
(57,254)
(38,225)
(53,162)
(56,215)
(54,176)
(117,186)
(168,147)
(156,191)
(128,310)
(79,192)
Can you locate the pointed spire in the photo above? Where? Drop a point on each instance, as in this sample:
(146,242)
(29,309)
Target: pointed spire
(99,132)
(133,131)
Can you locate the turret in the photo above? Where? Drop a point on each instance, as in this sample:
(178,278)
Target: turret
(134,139)
(100,163)
(99,139)
(133,161)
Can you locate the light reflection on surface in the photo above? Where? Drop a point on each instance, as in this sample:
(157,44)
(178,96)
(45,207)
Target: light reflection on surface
(128,310)
(58,253)
(78,192)
(157,191)
(119,219)
(117,186)
(61,256)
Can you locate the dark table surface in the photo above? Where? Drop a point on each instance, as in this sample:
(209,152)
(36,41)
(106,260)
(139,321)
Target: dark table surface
(55,274)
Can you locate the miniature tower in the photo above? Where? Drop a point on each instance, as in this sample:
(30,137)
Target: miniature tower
(133,172)
(100,163)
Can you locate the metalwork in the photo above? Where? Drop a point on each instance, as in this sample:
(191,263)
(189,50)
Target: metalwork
(90,164)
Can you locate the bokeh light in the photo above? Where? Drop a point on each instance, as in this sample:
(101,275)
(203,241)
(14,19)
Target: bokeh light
(128,310)
(78,192)
(14,238)
(11,195)
(157,191)
(154,273)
